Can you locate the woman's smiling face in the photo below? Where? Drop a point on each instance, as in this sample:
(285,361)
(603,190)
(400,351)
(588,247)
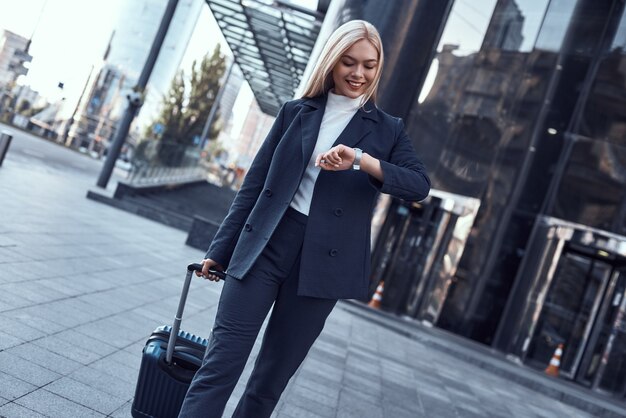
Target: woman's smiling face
(356,69)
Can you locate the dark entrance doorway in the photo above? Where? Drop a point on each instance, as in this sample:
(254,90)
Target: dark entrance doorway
(578,299)
(417,252)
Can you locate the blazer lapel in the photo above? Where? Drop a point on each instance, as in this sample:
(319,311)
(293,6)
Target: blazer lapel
(310,122)
(359,126)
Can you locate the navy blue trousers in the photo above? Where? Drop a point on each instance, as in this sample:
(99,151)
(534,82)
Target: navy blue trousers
(295,323)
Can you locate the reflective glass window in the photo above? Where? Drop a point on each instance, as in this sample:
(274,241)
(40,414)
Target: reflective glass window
(619,42)
(604,116)
(555,23)
(592,189)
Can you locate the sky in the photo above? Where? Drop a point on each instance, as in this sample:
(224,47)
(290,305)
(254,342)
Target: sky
(68,36)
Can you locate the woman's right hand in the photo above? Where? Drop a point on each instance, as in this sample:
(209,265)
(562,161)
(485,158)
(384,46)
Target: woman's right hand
(207,264)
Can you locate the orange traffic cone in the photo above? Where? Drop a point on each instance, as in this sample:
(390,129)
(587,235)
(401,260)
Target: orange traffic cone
(378,296)
(555,362)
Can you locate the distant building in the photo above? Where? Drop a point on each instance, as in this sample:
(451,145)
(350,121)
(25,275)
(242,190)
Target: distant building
(26,98)
(13,53)
(104,101)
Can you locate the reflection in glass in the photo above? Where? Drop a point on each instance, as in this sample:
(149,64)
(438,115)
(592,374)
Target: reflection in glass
(517,25)
(477,114)
(567,312)
(604,116)
(579,199)
(613,378)
(619,41)
(555,25)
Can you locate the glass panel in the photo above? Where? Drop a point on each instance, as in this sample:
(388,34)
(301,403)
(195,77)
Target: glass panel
(579,198)
(614,374)
(478,111)
(467,25)
(518,23)
(567,311)
(619,42)
(602,332)
(604,115)
(555,25)
(167,160)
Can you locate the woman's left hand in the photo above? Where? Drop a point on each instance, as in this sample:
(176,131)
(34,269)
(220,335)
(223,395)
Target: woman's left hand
(338,158)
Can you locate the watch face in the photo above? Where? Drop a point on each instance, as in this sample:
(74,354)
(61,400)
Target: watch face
(356,165)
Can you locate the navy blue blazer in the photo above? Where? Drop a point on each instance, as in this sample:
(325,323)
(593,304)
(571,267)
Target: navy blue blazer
(335,260)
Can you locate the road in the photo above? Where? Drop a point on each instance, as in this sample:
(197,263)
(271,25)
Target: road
(46,155)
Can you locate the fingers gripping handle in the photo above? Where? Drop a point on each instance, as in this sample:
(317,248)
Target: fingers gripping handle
(198,267)
(191,268)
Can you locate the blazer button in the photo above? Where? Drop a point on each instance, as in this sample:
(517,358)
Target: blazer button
(333,252)
(268,192)
(247,227)
(338,212)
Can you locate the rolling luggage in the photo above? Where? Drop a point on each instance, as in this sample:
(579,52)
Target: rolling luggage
(170,359)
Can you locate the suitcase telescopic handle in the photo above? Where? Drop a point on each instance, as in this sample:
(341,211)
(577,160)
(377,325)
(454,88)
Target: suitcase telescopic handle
(191,268)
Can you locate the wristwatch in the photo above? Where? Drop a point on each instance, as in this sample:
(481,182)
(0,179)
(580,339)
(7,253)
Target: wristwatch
(356,164)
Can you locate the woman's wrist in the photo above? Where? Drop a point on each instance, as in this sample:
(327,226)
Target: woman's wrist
(371,166)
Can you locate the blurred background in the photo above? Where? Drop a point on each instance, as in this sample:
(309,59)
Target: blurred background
(517,107)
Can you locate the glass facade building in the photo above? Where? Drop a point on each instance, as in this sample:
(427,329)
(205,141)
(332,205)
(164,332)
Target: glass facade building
(104,100)
(518,109)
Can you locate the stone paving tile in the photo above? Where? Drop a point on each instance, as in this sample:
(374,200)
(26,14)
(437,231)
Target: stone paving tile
(33,292)
(114,368)
(122,412)
(56,406)
(13,387)
(10,301)
(13,410)
(8,341)
(391,410)
(26,370)
(293,411)
(85,395)
(104,382)
(45,358)
(7,252)
(62,345)
(353,403)
(317,407)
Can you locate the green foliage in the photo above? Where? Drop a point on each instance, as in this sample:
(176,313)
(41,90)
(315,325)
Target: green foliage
(186,106)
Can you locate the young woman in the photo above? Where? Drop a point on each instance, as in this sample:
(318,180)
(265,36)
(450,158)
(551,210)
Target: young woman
(298,232)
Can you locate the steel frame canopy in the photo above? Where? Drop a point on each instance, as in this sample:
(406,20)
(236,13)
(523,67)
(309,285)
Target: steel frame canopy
(271,41)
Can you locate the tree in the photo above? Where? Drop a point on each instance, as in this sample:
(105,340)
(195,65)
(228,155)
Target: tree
(183,114)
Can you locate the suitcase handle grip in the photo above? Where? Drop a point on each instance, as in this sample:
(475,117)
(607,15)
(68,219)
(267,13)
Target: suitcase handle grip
(198,267)
(194,267)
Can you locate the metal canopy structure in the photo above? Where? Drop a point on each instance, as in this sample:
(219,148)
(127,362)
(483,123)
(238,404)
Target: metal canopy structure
(271,41)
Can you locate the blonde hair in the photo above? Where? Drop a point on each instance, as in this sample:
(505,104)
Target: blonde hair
(342,39)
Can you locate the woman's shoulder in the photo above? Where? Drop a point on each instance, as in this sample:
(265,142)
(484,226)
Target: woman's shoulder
(387,118)
(290,106)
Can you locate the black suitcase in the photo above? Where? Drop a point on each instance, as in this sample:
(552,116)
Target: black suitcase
(170,360)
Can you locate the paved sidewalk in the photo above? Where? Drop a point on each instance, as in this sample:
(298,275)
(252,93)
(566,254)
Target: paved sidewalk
(82,285)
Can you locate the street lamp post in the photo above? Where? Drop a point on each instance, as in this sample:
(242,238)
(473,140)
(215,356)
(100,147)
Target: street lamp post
(135,99)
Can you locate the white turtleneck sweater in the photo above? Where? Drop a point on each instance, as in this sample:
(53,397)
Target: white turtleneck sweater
(339,110)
